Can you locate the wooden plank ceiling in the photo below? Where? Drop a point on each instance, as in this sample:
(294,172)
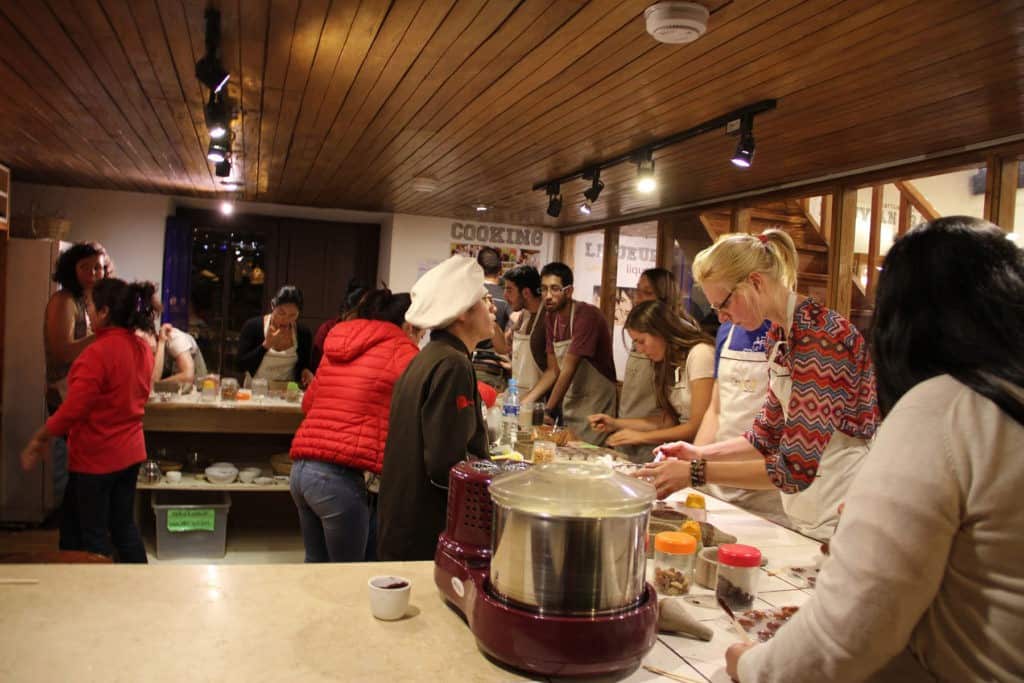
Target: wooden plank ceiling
(344,102)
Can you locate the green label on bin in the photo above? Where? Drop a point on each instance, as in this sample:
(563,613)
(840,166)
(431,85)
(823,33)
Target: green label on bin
(190,520)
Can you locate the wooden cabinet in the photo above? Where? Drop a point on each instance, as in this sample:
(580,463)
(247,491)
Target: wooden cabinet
(5,198)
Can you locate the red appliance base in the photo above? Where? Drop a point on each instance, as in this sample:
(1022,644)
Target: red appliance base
(550,645)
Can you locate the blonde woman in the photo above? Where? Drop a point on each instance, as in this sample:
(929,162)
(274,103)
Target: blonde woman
(683,360)
(812,433)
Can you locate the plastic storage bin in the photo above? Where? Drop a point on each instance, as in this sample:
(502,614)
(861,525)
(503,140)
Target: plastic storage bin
(674,554)
(191,524)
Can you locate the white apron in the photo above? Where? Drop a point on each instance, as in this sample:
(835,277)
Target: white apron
(590,392)
(638,399)
(814,511)
(742,388)
(525,370)
(278,365)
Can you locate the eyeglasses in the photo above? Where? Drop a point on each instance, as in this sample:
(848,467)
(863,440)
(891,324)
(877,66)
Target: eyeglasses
(725,302)
(553,289)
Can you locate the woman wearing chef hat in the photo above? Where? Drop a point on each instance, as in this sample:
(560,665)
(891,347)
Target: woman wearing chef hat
(436,418)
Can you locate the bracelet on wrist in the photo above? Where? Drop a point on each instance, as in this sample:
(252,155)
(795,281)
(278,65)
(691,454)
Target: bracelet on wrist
(698,472)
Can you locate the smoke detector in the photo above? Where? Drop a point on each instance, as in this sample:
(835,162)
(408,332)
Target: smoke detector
(676,22)
(424,184)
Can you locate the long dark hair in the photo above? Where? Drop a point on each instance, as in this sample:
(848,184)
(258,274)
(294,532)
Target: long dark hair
(65,274)
(951,301)
(382,304)
(130,305)
(680,334)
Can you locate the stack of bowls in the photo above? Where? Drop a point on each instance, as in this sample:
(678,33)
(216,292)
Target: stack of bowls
(221,473)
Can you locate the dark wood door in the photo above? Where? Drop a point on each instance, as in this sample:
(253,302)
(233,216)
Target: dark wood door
(321,257)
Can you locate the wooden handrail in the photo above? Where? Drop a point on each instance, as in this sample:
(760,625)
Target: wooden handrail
(917,200)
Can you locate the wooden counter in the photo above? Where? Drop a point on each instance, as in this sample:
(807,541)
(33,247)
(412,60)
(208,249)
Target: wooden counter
(256,416)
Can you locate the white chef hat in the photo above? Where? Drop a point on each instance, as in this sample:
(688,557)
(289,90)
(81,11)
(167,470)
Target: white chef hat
(445,292)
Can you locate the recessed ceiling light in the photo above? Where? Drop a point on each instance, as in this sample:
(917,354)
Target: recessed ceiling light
(227,208)
(480,208)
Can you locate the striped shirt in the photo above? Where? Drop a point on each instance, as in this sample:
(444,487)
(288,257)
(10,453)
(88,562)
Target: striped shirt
(833,388)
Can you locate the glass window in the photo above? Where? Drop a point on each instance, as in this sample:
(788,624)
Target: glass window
(227,281)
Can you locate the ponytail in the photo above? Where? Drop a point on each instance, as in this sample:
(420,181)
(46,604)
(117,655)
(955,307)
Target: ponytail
(130,305)
(733,257)
(382,304)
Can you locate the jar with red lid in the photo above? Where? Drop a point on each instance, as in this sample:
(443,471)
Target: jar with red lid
(738,570)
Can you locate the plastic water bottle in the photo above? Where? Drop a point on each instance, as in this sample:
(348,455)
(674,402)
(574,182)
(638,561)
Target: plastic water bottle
(510,416)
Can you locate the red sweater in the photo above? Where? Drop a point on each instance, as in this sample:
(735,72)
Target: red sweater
(348,404)
(108,387)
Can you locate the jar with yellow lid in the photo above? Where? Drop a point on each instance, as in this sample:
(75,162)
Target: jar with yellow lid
(693,528)
(674,555)
(696,507)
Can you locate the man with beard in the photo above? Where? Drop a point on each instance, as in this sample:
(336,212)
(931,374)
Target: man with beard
(580,367)
(526,329)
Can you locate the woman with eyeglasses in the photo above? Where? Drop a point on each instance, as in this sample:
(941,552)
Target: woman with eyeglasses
(821,410)
(924,581)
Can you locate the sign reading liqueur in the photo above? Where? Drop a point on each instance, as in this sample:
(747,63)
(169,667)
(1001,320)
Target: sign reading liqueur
(498,234)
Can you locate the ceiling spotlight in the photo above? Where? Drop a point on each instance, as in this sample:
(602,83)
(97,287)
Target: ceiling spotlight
(585,208)
(480,208)
(554,200)
(645,181)
(596,185)
(218,114)
(218,150)
(223,168)
(744,155)
(227,208)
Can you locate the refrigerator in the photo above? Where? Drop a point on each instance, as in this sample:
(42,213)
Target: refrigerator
(25,496)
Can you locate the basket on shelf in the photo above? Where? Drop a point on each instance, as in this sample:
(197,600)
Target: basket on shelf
(51,227)
(281,463)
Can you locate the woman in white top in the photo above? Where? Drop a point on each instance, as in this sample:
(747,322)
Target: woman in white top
(636,400)
(275,346)
(684,373)
(925,580)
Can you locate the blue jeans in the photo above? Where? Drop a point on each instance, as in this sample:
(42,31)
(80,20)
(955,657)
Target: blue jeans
(60,469)
(99,515)
(333,510)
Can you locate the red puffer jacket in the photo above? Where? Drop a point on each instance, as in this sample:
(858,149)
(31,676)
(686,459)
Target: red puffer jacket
(348,403)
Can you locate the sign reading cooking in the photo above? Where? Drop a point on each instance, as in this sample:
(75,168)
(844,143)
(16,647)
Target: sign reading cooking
(497,233)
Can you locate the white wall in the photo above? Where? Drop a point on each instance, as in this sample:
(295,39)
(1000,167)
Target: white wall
(131,226)
(420,242)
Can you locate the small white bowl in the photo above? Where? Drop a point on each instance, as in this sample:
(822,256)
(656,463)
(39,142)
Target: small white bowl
(249,474)
(263,481)
(173,477)
(389,597)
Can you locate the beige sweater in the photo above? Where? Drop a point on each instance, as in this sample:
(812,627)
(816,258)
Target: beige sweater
(927,565)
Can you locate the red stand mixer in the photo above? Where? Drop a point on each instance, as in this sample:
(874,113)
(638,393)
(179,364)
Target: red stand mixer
(543,590)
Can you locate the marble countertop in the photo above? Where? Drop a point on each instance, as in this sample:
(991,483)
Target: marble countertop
(306,622)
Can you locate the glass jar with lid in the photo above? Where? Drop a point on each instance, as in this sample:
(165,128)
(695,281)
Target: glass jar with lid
(738,570)
(674,556)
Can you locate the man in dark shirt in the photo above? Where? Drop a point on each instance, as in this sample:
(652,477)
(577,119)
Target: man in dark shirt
(580,368)
(436,418)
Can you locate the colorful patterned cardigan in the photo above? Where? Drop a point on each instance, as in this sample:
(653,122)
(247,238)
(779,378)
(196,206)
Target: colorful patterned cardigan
(833,388)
